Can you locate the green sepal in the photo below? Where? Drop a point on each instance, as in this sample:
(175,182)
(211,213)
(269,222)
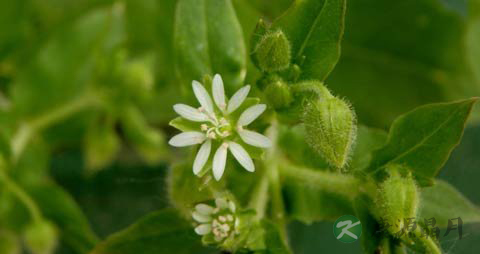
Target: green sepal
(184,125)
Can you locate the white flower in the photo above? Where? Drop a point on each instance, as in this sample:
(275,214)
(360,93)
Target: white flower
(219,221)
(219,127)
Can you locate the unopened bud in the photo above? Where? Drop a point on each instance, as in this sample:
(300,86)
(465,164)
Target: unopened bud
(330,124)
(397,200)
(277,93)
(273,52)
(41,237)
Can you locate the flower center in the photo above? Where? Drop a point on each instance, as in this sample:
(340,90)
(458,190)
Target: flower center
(217,129)
(223,225)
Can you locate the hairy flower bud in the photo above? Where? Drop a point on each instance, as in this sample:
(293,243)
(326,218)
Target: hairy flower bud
(273,52)
(397,200)
(277,92)
(330,124)
(41,237)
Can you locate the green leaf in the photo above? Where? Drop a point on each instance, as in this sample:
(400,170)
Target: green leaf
(147,141)
(315,29)
(183,124)
(368,140)
(209,40)
(186,189)
(273,240)
(101,144)
(62,69)
(59,207)
(399,55)
(423,139)
(443,202)
(159,232)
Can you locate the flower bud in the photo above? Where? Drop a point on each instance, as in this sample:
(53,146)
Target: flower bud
(277,92)
(139,79)
(397,199)
(273,52)
(330,124)
(41,237)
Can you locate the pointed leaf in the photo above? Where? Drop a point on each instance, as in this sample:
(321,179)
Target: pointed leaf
(315,30)
(205,46)
(423,139)
(443,202)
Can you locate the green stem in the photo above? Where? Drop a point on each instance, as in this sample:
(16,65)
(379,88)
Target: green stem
(259,197)
(21,194)
(271,167)
(344,185)
(28,129)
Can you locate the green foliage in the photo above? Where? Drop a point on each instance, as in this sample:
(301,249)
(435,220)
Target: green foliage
(203,45)
(160,232)
(399,55)
(315,30)
(422,139)
(101,76)
(60,208)
(443,202)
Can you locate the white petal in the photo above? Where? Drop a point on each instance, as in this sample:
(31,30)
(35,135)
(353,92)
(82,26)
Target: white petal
(219,161)
(190,113)
(202,157)
(250,114)
(201,217)
(232,206)
(238,98)
(254,139)
(203,229)
(202,96)
(221,203)
(204,209)
(242,156)
(187,139)
(218,92)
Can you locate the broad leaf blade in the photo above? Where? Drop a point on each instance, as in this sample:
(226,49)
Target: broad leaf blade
(402,54)
(315,29)
(159,232)
(423,138)
(209,40)
(443,202)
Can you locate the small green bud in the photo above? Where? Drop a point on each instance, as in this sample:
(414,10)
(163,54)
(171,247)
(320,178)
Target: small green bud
(148,142)
(41,237)
(101,144)
(273,52)
(138,78)
(277,92)
(397,199)
(330,124)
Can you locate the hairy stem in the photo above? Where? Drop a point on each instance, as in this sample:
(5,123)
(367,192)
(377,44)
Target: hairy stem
(259,197)
(271,166)
(345,185)
(23,196)
(30,128)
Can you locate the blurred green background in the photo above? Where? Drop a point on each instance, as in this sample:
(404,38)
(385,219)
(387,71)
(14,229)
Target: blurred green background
(396,55)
